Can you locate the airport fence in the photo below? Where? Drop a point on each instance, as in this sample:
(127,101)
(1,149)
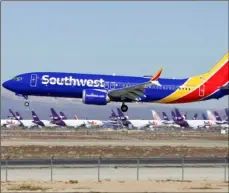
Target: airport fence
(183,169)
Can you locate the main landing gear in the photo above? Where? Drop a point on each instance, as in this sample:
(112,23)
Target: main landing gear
(124,108)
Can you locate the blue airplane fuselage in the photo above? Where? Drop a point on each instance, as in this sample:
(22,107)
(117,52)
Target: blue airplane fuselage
(71,85)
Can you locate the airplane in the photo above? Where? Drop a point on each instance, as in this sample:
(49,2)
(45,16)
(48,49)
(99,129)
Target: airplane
(116,120)
(133,124)
(98,89)
(168,121)
(19,121)
(189,123)
(215,121)
(157,122)
(89,123)
(56,119)
(218,118)
(8,122)
(42,123)
(113,121)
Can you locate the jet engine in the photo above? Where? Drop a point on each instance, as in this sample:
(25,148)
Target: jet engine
(95,97)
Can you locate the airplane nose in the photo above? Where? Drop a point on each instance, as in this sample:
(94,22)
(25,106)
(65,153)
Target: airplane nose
(6,85)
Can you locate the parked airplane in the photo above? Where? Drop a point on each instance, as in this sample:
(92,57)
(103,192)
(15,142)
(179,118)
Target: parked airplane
(19,121)
(157,122)
(9,122)
(189,123)
(218,118)
(96,89)
(56,119)
(134,124)
(42,123)
(172,122)
(214,122)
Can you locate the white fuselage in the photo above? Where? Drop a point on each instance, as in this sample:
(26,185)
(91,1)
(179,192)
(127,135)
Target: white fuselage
(140,123)
(74,123)
(47,123)
(28,123)
(196,123)
(93,123)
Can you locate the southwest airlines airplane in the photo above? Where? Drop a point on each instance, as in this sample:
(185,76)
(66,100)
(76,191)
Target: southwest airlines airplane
(96,89)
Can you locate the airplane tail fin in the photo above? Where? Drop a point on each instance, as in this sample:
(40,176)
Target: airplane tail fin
(35,117)
(113,115)
(165,117)
(204,117)
(219,74)
(13,114)
(185,115)
(155,115)
(173,116)
(179,116)
(211,116)
(227,114)
(54,114)
(19,116)
(195,116)
(217,116)
(63,115)
(227,111)
(75,117)
(120,114)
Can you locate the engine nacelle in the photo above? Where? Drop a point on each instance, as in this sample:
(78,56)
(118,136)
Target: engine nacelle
(95,97)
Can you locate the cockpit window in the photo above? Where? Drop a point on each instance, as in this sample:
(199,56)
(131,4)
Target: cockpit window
(17,78)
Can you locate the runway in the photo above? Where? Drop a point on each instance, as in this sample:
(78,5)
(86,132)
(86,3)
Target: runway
(116,161)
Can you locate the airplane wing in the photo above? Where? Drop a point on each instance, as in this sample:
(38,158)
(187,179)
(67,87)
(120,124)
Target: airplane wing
(134,92)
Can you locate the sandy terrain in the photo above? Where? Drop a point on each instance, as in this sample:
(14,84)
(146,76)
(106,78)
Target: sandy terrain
(34,151)
(116,186)
(91,142)
(115,135)
(66,144)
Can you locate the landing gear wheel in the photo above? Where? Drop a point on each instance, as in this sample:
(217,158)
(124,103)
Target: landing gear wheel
(26,103)
(124,108)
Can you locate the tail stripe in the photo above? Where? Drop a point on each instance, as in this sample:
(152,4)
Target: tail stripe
(212,82)
(196,82)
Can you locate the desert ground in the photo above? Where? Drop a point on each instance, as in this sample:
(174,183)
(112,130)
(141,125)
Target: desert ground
(115,186)
(72,144)
(69,144)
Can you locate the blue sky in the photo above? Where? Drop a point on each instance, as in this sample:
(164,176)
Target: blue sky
(129,38)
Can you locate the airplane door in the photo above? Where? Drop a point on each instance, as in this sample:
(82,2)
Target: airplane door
(112,85)
(33,80)
(202,90)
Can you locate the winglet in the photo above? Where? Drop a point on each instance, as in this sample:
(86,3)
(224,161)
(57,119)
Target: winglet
(157,75)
